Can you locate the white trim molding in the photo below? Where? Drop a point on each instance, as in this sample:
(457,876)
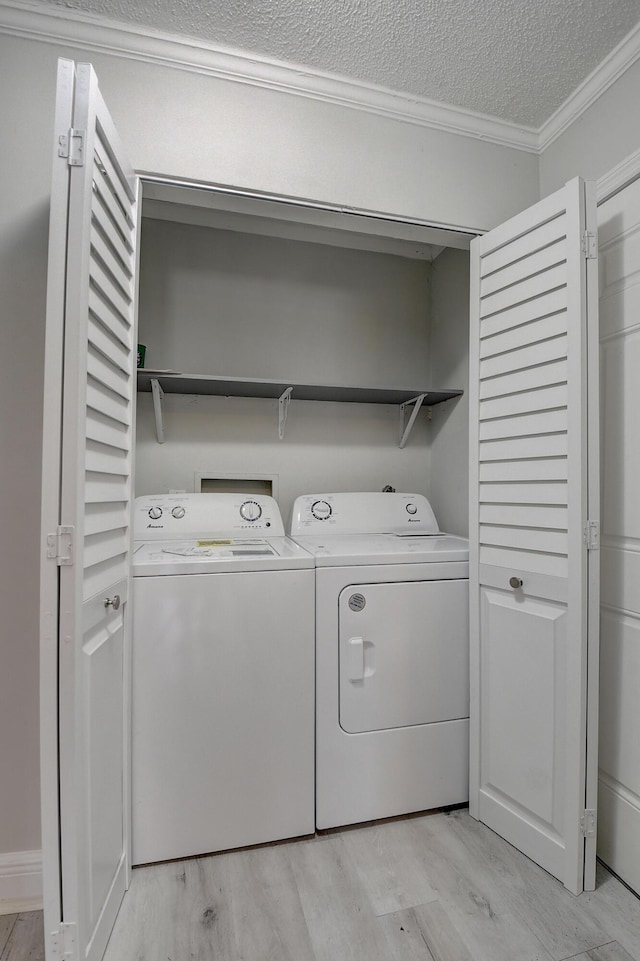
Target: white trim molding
(599,80)
(618,177)
(73,28)
(68,27)
(20,881)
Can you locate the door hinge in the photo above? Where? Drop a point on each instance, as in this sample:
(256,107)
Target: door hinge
(60,546)
(588,823)
(64,942)
(589,244)
(71,147)
(592,535)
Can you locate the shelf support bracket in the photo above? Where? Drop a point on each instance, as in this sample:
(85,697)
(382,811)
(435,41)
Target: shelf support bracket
(406,428)
(283,410)
(158,397)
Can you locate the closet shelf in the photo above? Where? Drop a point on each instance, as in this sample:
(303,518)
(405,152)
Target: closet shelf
(160,382)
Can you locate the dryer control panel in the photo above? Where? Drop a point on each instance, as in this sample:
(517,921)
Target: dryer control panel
(368,512)
(163,516)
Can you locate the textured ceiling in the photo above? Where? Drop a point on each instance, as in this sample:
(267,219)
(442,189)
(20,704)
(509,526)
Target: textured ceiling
(513,59)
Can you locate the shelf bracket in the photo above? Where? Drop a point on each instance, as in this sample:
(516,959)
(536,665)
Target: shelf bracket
(406,428)
(158,397)
(283,410)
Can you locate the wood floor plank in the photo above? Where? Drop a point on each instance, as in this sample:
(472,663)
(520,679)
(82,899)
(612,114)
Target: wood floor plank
(608,952)
(564,924)
(238,905)
(266,914)
(166,913)
(477,905)
(339,918)
(389,868)
(7,922)
(424,932)
(26,940)
(617,909)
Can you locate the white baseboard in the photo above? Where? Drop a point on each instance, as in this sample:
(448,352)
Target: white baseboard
(20,882)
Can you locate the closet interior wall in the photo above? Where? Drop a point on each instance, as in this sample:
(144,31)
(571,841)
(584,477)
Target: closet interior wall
(243,305)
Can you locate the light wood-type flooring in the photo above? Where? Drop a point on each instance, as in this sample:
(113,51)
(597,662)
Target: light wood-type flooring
(438,887)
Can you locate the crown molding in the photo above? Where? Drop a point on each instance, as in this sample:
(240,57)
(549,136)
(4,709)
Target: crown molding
(68,27)
(599,80)
(618,177)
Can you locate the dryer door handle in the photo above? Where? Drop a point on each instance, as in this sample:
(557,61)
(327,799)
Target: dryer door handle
(355,659)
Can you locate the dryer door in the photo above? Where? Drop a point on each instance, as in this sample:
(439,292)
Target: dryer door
(404,654)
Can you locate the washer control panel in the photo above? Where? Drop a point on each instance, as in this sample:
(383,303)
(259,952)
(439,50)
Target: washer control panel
(369,512)
(164,516)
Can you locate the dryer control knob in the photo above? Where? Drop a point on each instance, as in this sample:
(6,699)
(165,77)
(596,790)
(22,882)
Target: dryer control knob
(321,510)
(155,513)
(411,509)
(250,511)
(178,512)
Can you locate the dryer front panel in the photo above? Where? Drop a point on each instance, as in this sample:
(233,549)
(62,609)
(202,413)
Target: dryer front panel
(404,654)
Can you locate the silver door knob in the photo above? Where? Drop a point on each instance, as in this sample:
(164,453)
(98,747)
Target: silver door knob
(515,583)
(113,602)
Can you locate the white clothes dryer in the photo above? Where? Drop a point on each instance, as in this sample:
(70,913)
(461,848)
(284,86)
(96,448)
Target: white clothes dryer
(223,677)
(392,655)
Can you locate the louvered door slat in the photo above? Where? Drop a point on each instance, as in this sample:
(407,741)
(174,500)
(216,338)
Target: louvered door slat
(534,263)
(535,492)
(543,306)
(527,513)
(535,331)
(543,469)
(528,289)
(527,402)
(545,375)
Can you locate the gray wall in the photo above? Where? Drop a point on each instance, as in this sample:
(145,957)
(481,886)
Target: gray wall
(243,305)
(186,124)
(449,359)
(603,136)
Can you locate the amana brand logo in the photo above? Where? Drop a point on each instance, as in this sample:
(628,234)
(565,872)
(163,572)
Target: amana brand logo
(159,526)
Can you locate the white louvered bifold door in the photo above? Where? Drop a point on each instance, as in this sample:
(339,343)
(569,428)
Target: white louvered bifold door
(534,487)
(98,384)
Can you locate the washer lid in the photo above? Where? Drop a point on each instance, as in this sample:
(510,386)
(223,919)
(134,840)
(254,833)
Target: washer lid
(218,555)
(362,549)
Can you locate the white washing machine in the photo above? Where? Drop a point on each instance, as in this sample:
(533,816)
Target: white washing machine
(223,677)
(392,655)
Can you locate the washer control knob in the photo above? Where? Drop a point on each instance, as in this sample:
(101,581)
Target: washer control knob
(411,509)
(155,513)
(321,510)
(177,512)
(250,511)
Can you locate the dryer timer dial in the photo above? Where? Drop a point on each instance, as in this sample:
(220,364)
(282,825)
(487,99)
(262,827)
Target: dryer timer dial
(178,512)
(250,511)
(321,510)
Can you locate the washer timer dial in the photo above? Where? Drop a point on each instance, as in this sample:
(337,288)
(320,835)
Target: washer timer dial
(155,513)
(250,511)
(178,512)
(321,510)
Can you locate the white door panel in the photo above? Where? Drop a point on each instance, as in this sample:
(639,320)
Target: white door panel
(619,775)
(95,224)
(523,673)
(533,487)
